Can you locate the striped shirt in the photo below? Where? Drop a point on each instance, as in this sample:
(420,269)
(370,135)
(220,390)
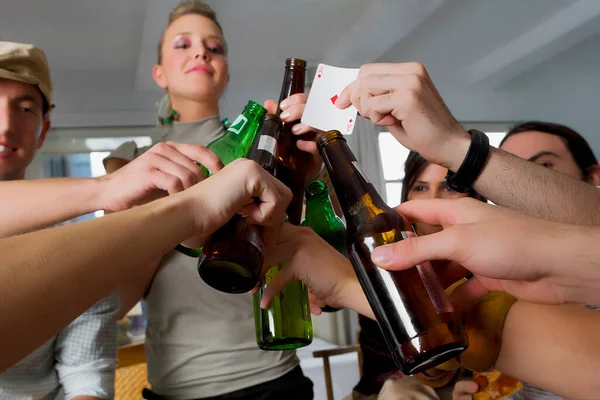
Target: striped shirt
(79,361)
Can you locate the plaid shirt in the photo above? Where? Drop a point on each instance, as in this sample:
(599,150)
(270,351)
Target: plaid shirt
(79,361)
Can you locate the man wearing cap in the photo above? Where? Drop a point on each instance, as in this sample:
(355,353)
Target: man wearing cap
(79,362)
(82,358)
(26,90)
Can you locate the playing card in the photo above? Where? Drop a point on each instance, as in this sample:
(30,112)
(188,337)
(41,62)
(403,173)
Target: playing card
(320,111)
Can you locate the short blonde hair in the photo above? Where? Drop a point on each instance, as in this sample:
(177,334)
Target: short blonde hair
(188,7)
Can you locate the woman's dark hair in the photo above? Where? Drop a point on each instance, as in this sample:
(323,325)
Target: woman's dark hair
(578,147)
(414,165)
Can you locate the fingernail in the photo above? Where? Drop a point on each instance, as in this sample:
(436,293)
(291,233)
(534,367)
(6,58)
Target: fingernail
(382,255)
(285,115)
(283,105)
(296,128)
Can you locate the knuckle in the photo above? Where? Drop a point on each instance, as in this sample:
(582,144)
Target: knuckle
(252,166)
(174,184)
(417,83)
(304,233)
(419,68)
(364,69)
(160,147)
(215,159)
(189,179)
(412,97)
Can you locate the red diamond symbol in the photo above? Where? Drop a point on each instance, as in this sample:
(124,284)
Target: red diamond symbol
(318,76)
(350,120)
(334,99)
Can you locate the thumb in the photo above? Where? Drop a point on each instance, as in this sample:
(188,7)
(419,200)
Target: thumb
(271,106)
(415,250)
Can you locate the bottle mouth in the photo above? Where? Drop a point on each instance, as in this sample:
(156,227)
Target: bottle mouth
(327,137)
(254,107)
(295,62)
(316,188)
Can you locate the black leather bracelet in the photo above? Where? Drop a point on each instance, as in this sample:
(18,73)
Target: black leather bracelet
(479,149)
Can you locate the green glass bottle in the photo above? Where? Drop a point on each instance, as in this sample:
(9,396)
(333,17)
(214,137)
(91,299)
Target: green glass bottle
(321,217)
(234,144)
(239,136)
(287,324)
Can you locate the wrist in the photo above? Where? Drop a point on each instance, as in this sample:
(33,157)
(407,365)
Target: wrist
(353,297)
(97,192)
(574,285)
(178,215)
(456,151)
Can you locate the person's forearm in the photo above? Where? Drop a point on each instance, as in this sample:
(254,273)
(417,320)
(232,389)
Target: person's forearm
(512,182)
(354,298)
(567,258)
(555,348)
(36,204)
(50,277)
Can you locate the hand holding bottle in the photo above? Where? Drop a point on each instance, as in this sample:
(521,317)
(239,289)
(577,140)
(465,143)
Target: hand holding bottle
(167,168)
(327,273)
(292,109)
(242,186)
(529,258)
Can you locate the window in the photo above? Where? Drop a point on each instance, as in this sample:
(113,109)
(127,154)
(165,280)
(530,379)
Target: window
(393,156)
(78,158)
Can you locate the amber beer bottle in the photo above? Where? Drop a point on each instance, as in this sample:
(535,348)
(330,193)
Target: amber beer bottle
(287,324)
(292,162)
(264,148)
(413,312)
(233,258)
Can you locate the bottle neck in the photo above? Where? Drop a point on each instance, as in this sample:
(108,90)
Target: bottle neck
(293,82)
(353,188)
(321,203)
(244,128)
(264,147)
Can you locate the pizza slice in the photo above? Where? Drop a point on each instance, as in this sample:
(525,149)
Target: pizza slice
(494,385)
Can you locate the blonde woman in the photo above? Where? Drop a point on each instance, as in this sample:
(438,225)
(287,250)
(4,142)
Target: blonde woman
(200,342)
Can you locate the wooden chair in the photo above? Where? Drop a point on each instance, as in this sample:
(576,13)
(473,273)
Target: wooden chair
(325,354)
(132,374)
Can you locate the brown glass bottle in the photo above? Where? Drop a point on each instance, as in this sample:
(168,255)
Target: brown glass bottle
(413,312)
(232,259)
(292,162)
(264,148)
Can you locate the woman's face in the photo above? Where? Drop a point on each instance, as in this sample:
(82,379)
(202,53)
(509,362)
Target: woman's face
(194,60)
(431,184)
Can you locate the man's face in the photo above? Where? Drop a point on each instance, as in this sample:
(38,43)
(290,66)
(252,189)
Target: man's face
(23,127)
(545,149)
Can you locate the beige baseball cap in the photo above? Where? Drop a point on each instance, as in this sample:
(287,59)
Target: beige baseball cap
(26,63)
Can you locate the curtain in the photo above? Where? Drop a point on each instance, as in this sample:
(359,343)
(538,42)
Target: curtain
(365,145)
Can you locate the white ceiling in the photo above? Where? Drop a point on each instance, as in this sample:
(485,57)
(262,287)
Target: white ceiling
(493,60)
